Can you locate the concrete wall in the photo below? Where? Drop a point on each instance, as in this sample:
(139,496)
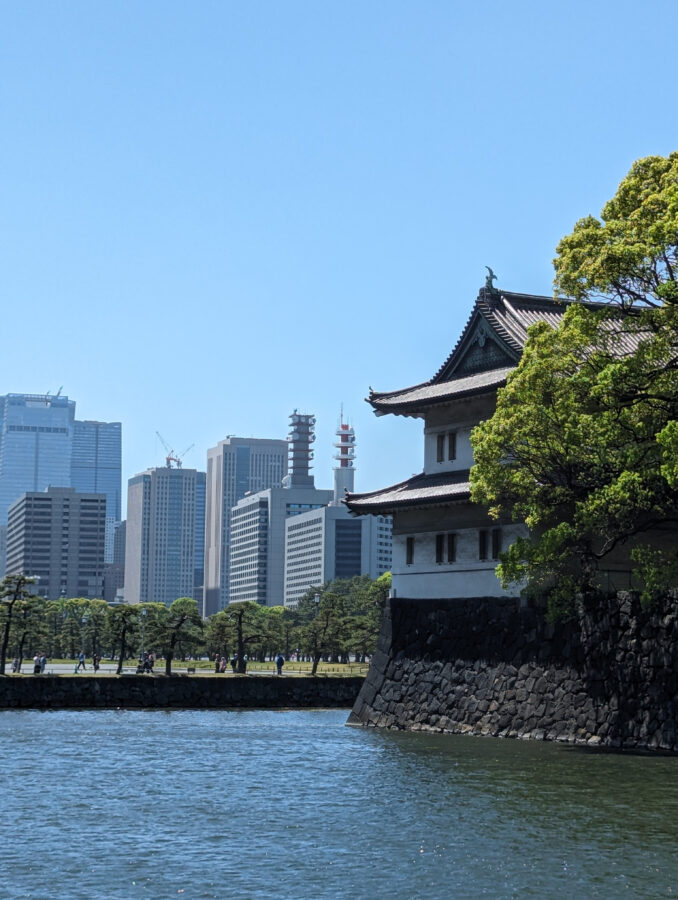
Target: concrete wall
(179,691)
(486,666)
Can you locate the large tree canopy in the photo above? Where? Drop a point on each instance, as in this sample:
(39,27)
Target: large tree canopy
(583,445)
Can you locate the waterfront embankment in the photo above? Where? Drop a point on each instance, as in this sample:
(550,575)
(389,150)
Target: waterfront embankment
(177,692)
(486,666)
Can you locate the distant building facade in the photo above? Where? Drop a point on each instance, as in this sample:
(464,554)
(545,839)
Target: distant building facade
(96,465)
(58,536)
(257,550)
(164,535)
(329,542)
(43,445)
(235,467)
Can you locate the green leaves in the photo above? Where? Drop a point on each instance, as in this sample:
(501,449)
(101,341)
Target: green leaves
(630,256)
(583,445)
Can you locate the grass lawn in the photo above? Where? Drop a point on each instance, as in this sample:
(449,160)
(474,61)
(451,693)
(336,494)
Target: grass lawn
(206,667)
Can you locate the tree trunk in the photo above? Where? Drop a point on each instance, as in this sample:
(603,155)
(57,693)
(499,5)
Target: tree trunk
(118,671)
(5,637)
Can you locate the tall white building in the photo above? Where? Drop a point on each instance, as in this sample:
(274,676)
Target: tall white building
(164,542)
(257,536)
(235,467)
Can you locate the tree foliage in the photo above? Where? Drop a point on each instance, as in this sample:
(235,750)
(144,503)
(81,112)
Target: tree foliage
(583,445)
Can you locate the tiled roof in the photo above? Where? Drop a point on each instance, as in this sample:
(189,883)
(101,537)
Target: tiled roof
(419,490)
(509,315)
(424,394)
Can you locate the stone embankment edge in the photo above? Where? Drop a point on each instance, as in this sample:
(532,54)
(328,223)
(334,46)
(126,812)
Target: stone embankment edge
(488,667)
(47,692)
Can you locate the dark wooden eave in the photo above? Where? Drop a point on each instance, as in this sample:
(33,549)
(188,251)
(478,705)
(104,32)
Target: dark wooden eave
(418,491)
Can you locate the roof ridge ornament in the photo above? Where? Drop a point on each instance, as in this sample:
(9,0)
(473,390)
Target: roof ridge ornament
(489,278)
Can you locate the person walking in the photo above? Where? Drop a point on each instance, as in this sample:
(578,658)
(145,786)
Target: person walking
(279,663)
(43,663)
(217,668)
(36,664)
(95,662)
(81,662)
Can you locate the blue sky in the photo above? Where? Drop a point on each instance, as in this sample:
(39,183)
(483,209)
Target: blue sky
(212,213)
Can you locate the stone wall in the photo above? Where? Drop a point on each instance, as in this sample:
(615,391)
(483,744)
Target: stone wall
(487,667)
(178,691)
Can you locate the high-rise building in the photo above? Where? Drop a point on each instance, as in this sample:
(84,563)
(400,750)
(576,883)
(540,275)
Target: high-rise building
(96,466)
(114,572)
(42,445)
(235,467)
(329,543)
(58,536)
(257,551)
(36,441)
(164,535)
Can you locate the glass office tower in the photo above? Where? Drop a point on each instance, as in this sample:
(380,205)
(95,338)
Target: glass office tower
(96,467)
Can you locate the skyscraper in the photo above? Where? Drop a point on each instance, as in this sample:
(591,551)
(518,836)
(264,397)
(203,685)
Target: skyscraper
(164,535)
(257,559)
(96,466)
(235,467)
(36,441)
(58,535)
(42,445)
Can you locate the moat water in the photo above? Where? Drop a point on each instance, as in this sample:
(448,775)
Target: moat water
(197,804)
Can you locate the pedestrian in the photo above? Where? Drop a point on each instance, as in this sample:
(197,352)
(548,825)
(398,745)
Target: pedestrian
(222,665)
(36,664)
(151,661)
(217,663)
(81,662)
(234,662)
(95,662)
(15,664)
(279,663)
(43,663)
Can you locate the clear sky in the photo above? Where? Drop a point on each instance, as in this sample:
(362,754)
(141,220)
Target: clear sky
(214,212)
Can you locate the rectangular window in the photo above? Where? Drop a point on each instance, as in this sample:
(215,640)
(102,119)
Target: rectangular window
(409,551)
(482,544)
(451,548)
(452,445)
(496,543)
(440,548)
(441,448)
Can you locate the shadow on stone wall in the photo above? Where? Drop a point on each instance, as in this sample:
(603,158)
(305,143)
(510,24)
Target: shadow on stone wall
(485,666)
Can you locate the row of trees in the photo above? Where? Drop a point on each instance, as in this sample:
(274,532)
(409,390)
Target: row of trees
(338,619)
(583,445)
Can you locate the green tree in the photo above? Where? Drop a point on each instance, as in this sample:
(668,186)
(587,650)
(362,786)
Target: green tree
(181,622)
(29,627)
(583,445)
(123,622)
(14,590)
(247,624)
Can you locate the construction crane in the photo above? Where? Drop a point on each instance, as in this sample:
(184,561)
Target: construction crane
(172,457)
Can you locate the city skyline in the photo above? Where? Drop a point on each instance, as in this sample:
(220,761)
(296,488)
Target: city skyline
(260,204)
